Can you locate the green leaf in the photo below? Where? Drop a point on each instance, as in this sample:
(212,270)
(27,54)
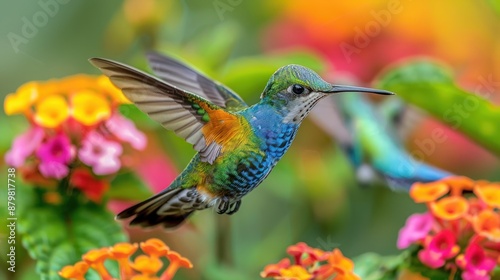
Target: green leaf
(127,186)
(430,86)
(215,46)
(371,266)
(56,237)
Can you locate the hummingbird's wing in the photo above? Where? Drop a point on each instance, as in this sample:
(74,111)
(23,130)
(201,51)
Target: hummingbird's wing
(200,122)
(184,77)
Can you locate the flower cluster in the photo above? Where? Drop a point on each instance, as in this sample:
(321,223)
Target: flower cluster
(311,263)
(460,231)
(75,130)
(143,267)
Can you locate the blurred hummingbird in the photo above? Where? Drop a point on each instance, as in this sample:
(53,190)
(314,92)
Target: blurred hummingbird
(238,145)
(368,137)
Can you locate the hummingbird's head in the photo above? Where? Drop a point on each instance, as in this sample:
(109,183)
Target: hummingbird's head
(295,89)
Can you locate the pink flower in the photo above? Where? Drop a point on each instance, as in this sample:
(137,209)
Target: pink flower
(438,249)
(101,154)
(125,130)
(24,145)
(416,228)
(54,155)
(475,263)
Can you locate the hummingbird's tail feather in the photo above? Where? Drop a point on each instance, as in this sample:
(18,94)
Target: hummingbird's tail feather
(169,208)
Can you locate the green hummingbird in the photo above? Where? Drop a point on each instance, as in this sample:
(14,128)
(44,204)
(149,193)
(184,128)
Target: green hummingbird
(237,145)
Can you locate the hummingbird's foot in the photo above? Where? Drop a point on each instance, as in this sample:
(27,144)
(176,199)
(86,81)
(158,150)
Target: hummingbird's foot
(234,207)
(226,206)
(223,205)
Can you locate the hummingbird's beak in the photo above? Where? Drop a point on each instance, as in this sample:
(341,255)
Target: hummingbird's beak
(339,88)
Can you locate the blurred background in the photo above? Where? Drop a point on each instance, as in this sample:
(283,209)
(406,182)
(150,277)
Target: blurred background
(312,195)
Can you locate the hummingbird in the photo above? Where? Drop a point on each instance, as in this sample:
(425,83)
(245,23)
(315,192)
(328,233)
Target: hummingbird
(367,135)
(237,145)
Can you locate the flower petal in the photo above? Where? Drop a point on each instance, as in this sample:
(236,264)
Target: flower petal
(428,192)
(89,107)
(125,130)
(450,208)
(51,111)
(416,228)
(24,145)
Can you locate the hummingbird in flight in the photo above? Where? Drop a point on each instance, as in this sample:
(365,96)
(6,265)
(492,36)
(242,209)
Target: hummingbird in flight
(367,134)
(237,145)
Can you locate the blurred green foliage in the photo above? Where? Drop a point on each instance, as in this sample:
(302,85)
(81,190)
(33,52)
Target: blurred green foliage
(429,86)
(312,194)
(58,235)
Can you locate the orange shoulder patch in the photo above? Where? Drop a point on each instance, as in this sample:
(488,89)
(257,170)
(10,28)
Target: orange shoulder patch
(224,128)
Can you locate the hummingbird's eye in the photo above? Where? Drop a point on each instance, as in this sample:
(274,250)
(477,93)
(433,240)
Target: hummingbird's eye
(297,89)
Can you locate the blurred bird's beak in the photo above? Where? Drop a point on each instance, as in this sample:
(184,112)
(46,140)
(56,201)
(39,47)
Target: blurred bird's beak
(339,88)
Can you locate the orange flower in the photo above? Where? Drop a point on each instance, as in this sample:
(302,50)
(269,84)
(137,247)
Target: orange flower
(337,265)
(450,208)
(122,252)
(295,272)
(489,194)
(305,255)
(144,267)
(155,247)
(52,197)
(143,277)
(273,270)
(76,271)
(487,224)
(429,192)
(176,261)
(95,259)
(298,250)
(458,184)
(147,265)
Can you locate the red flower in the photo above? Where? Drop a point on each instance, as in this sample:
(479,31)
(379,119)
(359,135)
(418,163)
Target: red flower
(92,187)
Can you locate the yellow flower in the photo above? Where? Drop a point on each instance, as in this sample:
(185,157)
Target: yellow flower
(21,101)
(489,193)
(89,107)
(111,90)
(51,111)
(295,272)
(33,93)
(450,208)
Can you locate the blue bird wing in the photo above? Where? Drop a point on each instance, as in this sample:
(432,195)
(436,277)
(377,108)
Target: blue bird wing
(371,145)
(192,117)
(184,77)
(407,174)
